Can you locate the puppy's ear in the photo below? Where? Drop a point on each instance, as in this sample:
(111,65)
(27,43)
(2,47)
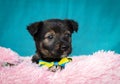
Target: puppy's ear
(73,25)
(34,27)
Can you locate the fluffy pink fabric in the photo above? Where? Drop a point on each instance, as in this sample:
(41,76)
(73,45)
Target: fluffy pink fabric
(100,68)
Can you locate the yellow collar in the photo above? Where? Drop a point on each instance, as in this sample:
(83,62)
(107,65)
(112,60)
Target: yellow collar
(62,62)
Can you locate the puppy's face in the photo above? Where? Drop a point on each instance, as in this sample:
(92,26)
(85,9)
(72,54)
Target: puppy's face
(53,38)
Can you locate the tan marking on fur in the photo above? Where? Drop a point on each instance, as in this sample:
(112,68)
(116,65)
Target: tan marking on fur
(51,32)
(46,40)
(44,51)
(57,46)
(67,32)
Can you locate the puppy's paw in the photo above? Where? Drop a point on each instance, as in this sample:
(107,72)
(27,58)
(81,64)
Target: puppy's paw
(55,68)
(8,64)
(5,64)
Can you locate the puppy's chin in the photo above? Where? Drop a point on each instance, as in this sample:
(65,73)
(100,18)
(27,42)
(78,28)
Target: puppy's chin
(60,54)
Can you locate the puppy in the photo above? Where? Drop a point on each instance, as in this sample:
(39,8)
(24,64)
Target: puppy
(52,39)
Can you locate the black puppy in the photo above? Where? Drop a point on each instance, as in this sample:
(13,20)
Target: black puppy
(52,38)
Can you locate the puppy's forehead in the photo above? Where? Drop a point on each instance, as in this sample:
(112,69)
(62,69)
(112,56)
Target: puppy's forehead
(57,26)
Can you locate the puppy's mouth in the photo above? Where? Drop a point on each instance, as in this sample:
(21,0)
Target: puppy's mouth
(61,53)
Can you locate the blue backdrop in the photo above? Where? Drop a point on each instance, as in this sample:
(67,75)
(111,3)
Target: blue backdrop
(99,23)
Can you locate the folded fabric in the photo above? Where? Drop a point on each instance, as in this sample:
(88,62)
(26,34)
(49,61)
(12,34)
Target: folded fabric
(100,68)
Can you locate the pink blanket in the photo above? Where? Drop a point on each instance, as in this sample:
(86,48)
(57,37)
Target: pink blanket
(100,68)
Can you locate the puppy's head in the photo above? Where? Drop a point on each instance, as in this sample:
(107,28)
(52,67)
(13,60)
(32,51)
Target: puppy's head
(53,38)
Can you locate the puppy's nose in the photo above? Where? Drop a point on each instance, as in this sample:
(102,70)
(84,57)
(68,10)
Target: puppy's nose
(64,47)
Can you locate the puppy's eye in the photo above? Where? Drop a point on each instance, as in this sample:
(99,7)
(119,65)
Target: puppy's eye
(50,37)
(67,35)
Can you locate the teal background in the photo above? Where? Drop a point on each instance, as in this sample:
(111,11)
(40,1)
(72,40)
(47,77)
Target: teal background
(99,23)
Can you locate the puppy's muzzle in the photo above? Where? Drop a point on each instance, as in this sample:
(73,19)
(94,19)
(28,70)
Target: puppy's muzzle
(64,47)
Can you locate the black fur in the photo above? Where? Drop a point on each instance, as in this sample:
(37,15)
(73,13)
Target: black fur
(52,38)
